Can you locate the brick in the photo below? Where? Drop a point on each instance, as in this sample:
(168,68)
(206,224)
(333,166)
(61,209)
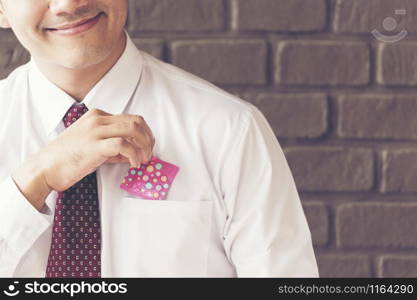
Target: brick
(377,116)
(177,15)
(339,265)
(397,266)
(399,169)
(317,216)
(390,225)
(331,169)
(295,115)
(12,55)
(396,64)
(223,61)
(328,63)
(358,16)
(279,15)
(152,46)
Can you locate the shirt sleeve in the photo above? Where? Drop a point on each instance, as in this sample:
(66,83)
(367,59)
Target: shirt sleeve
(266,232)
(21,224)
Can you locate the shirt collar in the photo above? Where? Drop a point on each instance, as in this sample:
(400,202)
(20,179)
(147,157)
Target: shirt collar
(111,94)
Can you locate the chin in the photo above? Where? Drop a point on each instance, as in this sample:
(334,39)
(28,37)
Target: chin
(85,58)
(79,62)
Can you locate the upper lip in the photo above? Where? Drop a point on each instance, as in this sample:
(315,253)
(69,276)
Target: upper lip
(71,25)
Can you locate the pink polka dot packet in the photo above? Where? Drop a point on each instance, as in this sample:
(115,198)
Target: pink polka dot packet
(151,181)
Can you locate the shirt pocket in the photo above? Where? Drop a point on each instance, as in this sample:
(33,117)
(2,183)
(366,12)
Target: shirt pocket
(167,238)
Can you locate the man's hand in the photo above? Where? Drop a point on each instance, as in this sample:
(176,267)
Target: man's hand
(95,138)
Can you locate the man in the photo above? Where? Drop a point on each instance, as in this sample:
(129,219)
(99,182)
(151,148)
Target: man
(88,106)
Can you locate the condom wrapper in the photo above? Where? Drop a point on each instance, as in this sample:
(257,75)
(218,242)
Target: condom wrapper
(151,181)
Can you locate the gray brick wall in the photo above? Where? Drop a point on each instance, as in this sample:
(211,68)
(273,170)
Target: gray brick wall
(341,102)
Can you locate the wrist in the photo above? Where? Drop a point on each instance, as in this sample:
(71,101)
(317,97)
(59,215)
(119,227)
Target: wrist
(30,179)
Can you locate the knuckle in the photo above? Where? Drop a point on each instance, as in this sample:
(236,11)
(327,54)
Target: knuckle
(135,128)
(94,111)
(94,122)
(117,142)
(138,119)
(91,123)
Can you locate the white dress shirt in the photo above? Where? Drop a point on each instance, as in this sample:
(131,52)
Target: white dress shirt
(233,208)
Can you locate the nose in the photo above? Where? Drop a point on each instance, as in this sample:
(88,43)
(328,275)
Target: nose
(68,7)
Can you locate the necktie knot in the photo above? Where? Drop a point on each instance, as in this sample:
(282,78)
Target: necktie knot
(74,113)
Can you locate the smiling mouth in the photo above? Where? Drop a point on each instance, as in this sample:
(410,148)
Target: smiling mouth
(77,27)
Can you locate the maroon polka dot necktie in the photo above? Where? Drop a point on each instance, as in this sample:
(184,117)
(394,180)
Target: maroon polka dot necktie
(76,233)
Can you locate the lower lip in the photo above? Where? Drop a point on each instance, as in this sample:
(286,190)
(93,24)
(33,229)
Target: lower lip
(77,29)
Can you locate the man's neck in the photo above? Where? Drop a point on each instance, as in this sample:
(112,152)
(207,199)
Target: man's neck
(78,82)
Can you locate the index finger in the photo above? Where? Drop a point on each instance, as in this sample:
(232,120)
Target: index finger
(110,119)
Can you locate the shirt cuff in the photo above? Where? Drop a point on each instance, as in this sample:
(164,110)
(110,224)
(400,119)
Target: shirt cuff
(298,263)
(21,223)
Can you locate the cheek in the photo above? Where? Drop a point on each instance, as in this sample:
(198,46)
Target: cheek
(25,20)
(118,12)
(26,14)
